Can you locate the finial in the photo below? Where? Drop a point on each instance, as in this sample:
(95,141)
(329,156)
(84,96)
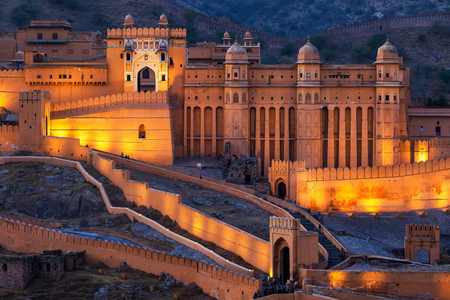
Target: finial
(235,38)
(307,37)
(387,37)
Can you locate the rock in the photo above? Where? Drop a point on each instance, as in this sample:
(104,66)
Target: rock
(124,267)
(162,276)
(194,289)
(179,283)
(56,171)
(84,223)
(168,278)
(218,215)
(447,68)
(198,201)
(239,204)
(49,168)
(121,219)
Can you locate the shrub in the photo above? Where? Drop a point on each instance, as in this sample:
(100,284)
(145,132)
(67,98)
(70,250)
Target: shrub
(24,12)
(436,27)
(288,49)
(328,55)
(376,41)
(318,41)
(445,76)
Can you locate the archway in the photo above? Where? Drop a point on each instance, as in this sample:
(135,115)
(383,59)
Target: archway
(281,190)
(422,256)
(142,131)
(285,265)
(281,260)
(146,80)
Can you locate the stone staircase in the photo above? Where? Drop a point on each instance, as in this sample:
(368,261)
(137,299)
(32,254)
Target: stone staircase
(333,252)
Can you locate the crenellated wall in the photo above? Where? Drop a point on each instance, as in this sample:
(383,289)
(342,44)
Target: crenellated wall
(21,237)
(9,138)
(401,187)
(146,33)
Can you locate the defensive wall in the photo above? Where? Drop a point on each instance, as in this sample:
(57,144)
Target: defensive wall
(211,26)
(225,284)
(146,32)
(130,213)
(252,249)
(419,285)
(401,187)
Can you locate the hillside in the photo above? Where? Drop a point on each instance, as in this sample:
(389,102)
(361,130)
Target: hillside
(422,39)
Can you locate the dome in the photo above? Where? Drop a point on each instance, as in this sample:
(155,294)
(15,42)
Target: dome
(308,53)
(387,52)
(226,36)
(20,56)
(248,36)
(129,21)
(236,53)
(163,21)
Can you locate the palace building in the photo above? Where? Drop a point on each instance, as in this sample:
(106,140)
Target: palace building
(145,92)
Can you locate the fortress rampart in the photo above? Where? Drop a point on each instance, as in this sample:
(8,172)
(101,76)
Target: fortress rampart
(17,236)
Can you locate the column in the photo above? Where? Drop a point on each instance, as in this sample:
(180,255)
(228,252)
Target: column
(214,131)
(342,137)
(286,133)
(364,149)
(266,143)
(202,131)
(192,131)
(331,131)
(353,142)
(258,137)
(277,133)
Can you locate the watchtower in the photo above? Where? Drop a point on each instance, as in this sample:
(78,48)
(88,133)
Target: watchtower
(425,238)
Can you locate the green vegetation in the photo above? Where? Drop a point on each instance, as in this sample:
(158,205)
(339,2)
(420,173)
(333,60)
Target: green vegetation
(441,101)
(445,76)
(318,41)
(24,13)
(288,49)
(327,55)
(191,31)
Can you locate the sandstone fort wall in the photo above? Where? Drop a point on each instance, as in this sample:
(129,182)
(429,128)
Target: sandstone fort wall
(21,237)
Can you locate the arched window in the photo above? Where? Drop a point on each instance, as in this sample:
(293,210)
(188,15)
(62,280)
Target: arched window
(142,131)
(316,98)
(244,98)
(228,97)
(300,98)
(308,99)
(235,98)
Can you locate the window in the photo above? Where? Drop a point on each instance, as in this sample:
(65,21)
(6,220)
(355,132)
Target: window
(228,75)
(379,75)
(308,75)
(386,98)
(142,131)
(292,76)
(438,130)
(171,62)
(163,57)
(128,56)
(262,76)
(128,77)
(5,268)
(163,78)
(195,76)
(395,98)
(121,55)
(359,76)
(50,76)
(220,97)
(60,76)
(235,98)
(235,75)
(271,76)
(145,74)
(387,75)
(421,128)
(70,76)
(39,76)
(196,97)
(69,51)
(145,57)
(55,36)
(65,76)
(92,76)
(315,75)
(301,75)
(281,76)
(85,52)
(379,98)
(39,36)
(437,122)
(207,97)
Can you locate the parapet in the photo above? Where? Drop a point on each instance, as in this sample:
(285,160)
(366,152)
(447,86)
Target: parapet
(34,95)
(146,33)
(423,231)
(285,223)
(282,166)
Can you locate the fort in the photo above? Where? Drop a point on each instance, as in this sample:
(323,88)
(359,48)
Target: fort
(328,138)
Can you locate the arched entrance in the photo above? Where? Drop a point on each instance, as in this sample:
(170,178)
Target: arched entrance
(281,190)
(422,256)
(146,80)
(281,260)
(285,265)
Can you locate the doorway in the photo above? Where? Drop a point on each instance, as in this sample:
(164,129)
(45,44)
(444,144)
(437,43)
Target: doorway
(281,190)
(146,80)
(285,265)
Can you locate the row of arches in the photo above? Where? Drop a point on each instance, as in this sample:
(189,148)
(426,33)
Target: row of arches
(236,99)
(337,126)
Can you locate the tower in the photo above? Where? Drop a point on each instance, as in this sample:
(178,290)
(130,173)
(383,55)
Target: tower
(309,115)
(389,78)
(236,104)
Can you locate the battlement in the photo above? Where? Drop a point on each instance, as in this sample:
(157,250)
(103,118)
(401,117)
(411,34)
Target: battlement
(146,33)
(12,74)
(129,250)
(280,166)
(422,231)
(285,223)
(138,99)
(34,95)
(8,128)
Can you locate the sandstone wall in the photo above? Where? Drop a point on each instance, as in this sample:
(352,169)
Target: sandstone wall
(9,138)
(21,237)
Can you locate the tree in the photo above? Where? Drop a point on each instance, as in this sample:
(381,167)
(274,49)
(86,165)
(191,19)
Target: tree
(376,41)
(428,69)
(288,49)
(189,18)
(328,55)
(24,12)
(445,76)
(97,19)
(358,54)
(225,19)
(318,41)
(436,27)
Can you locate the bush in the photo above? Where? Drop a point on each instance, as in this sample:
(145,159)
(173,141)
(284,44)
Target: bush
(421,38)
(318,41)
(445,76)
(328,55)
(97,19)
(288,49)
(24,12)
(269,60)
(428,69)
(358,54)
(436,28)
(376,41)
(72,4)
